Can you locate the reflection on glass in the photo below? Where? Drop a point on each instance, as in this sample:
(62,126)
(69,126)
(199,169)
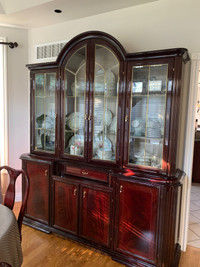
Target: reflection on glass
(45,84)
(74,103)
(106,87)
(147,114)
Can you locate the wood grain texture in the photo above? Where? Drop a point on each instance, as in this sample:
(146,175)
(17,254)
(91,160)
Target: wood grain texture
(48,250)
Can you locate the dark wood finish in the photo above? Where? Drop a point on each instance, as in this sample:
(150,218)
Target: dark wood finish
(38,201)
(171,116)
(57,113)
(96,214)
(130,212)
(66,196)
(137,219)
(9,199)
(196,169)
(87,173)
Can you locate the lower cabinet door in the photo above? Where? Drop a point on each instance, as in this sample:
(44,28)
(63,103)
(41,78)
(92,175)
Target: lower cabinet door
(66,205)
(38,200)
(136,221)
(96,215)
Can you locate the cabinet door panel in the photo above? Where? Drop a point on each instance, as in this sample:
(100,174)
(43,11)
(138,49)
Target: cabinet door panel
(75,104)
(38,200)
(65,206)
(44,112)
(105,104)
(95,223)
(147,115)
(137,219)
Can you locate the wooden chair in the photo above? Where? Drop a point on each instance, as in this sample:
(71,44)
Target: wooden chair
(10,192)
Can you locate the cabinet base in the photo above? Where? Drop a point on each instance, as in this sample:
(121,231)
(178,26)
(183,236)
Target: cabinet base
(121,258)
(37,225)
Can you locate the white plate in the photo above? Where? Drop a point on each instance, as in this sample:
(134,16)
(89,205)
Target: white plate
(135,123)
(77,140)
(75,121)
(98,142)
(49,123)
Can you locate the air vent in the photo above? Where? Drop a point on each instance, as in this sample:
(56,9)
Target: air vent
(49,52)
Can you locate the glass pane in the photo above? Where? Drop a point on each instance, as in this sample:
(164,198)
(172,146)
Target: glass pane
(106,87)
(74,98)
(45,85)
(147,115)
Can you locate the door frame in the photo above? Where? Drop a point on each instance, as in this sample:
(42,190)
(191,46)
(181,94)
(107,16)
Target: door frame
(189,148)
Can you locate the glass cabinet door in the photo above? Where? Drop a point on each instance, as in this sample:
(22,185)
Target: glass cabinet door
(105,104)
(147,114)
(74,103)
(44,112)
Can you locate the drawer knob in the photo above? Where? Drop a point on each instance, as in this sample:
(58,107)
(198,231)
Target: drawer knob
(121,189)
(84,194)
(84,173)
(75,190)
(46,173)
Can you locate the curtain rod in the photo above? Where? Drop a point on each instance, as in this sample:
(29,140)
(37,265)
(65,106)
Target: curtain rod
(10,44)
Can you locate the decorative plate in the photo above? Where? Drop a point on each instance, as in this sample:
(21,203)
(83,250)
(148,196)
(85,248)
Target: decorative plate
(77,140)
(98,142)
(75,121)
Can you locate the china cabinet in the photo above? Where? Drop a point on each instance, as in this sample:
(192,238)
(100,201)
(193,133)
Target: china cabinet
(102,162)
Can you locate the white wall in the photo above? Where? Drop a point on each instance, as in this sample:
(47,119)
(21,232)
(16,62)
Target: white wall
(18,107)
(157,25)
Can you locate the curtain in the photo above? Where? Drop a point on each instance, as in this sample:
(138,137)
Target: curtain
(3,112)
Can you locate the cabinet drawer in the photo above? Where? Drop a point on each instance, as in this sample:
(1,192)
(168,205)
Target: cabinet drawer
(91,174)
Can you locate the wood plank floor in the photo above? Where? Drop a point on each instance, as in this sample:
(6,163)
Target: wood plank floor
(49,250)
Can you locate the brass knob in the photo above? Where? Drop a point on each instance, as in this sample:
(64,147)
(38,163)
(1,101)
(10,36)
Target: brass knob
(84,173)
(46,173)
(75,190)
(121,189)
(126,118)
(84,193)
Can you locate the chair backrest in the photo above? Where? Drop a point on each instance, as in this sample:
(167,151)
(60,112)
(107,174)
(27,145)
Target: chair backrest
(9,199)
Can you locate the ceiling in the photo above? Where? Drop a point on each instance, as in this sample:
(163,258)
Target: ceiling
(39,13)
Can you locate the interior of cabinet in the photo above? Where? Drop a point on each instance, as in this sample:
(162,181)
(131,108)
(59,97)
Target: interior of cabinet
(105,104)
(147,114)
(75,98)
(45,84)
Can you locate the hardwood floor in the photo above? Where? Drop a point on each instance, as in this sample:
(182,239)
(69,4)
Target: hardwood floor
(49,250)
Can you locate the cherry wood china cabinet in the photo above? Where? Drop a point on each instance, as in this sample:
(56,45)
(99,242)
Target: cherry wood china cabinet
(102,161)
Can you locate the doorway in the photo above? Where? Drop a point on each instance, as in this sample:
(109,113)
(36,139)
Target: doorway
(194,212)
